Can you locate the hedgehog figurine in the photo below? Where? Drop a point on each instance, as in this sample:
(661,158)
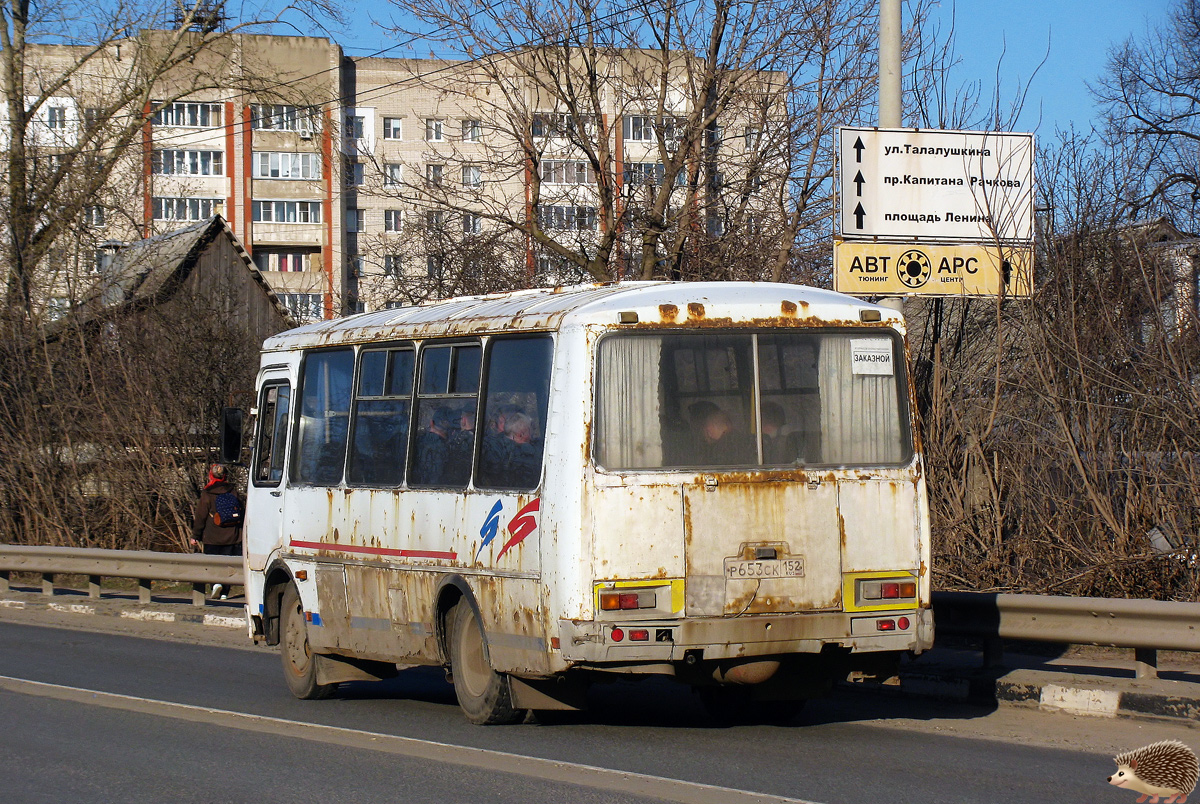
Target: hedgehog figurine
(1166,769)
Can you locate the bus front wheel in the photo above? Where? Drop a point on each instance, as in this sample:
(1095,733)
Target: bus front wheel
(299,662)
(483,694)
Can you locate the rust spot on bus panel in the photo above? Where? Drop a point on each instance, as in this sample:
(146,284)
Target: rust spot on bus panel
(668,312)
(788,309)
(695,310)
(768,322)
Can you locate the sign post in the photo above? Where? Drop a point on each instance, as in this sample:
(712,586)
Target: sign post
(935,213)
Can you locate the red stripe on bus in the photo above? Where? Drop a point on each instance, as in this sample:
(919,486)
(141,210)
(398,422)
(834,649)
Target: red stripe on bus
(449,555)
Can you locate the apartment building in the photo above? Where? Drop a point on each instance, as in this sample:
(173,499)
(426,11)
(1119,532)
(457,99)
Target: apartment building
(358,184)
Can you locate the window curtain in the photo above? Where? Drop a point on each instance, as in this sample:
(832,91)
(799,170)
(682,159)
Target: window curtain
(630,431)
(860,417)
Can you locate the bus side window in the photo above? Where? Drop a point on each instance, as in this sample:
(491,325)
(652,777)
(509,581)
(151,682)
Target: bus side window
(518,391)
(272,434)
(379,435)
(445,426)
(320,453)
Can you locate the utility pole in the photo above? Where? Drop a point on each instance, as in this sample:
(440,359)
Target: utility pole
(891,69)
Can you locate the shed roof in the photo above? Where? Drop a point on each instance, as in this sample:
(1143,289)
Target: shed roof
(554,308)
(151,270)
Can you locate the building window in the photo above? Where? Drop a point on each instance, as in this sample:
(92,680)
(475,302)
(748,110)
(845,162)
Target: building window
(393,265)
(472,130)
(354,265)
(434,130)
(641,128)
(91,118)
(392,128)
(355,173)
(472,176)
(392,220)
(567,218)
(188,115)
(282,165)
(286,211)
(93,216)
(433,266)
(435,220)
(653,174)
(281,117)
(752,137)
(183,209)
(304,306)
(472,224)
(56,118)
(560,124)
(433,175)
(57,307)
(354,126)
(285,261)
(187,163)
(356,220)
(392,172)
(557,171)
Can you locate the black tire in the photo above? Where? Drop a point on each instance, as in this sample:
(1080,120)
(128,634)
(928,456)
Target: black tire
(736,706)
(483,694)
(299,662)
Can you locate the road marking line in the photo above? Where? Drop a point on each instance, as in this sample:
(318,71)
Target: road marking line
(550,770)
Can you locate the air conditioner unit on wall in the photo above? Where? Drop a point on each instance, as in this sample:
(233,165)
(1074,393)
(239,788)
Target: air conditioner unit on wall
(306,133)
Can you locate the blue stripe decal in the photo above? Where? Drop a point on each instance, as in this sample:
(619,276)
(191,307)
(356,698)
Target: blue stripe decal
(316,619)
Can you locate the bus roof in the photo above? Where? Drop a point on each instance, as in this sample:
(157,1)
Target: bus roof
(687,304)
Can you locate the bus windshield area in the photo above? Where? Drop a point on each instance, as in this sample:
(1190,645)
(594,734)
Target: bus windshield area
(744,400)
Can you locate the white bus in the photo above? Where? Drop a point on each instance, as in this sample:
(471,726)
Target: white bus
(718,482)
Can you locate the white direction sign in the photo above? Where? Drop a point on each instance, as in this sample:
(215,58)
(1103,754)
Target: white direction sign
(939,185)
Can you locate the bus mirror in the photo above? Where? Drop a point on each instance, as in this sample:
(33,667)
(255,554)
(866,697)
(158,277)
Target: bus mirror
(231,435)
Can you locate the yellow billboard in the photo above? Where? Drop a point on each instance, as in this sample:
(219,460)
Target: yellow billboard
(906,269)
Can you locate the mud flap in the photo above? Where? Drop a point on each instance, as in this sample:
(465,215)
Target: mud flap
(542,693)
(336,669)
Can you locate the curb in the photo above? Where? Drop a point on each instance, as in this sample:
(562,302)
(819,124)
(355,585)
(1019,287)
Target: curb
(143,614)
(1023,688)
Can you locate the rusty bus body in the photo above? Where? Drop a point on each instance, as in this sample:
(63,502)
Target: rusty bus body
(715,481)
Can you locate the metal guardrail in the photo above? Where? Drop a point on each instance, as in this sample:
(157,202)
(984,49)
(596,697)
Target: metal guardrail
(145,566)
(1147,626)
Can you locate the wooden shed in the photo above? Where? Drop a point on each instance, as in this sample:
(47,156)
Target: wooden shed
(201,267)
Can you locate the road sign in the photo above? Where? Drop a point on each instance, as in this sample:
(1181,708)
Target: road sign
(963,186)
(895,269)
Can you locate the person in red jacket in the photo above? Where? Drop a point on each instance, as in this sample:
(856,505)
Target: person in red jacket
(217,523)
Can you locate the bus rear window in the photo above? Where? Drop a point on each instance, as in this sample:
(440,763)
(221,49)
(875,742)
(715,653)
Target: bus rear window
(695,400)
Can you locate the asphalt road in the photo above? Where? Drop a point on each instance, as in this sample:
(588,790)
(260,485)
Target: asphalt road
(188,716)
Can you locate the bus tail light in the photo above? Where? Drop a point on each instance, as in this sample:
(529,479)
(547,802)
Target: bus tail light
(639,635)
(617,600)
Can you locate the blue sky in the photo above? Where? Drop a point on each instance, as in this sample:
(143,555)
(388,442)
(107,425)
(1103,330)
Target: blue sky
(1078,34)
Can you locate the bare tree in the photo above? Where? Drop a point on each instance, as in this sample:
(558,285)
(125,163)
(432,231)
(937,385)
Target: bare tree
(1150,93)
(673,139)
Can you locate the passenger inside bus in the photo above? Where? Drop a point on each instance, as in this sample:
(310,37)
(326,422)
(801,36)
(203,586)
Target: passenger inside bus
(433,450)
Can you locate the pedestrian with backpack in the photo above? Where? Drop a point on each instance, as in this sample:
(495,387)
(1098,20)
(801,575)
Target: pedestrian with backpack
(218,521)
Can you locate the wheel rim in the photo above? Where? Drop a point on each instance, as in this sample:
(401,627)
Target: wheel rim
(296,642)
(475,671)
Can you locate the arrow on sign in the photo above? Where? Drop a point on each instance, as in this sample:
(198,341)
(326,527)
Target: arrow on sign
(858,149)
(859,214)
(860,181)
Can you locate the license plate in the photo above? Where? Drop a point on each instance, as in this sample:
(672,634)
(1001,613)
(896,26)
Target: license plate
(736,569)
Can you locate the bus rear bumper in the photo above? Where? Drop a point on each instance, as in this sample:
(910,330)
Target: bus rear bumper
(593,642)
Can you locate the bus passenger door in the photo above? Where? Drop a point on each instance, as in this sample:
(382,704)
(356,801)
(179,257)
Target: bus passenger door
(265,487)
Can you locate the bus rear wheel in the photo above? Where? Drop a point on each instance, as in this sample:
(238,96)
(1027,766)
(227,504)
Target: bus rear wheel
(299,662)
(483,694)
